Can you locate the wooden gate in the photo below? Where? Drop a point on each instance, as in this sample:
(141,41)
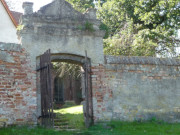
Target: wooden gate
(46,85)
(46,90)
(88,92)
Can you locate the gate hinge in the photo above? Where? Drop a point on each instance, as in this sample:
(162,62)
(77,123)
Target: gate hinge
(41,68)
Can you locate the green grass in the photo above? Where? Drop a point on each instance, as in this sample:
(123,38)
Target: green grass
(25,130)
(136,128)
(75,117)
(111,128)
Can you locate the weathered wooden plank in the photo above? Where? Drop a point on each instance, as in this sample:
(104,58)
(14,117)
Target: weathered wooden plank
(88,92)
(46,89)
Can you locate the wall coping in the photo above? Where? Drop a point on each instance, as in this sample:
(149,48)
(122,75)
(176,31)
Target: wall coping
(141,60)
(10,47)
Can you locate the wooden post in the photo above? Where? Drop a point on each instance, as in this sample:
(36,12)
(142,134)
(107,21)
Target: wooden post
(87,92)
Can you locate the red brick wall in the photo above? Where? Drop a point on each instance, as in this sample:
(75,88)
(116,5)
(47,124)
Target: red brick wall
(100,89)
(125,88)
(17,86)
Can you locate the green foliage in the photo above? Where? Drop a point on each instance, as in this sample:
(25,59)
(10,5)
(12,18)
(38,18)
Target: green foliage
(141,27)
(63,69)
(105,28)
(81,5)
(89,26)
(86,27)
(80,27)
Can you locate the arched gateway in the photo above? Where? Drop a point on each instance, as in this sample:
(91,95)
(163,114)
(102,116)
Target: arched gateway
(123,88)
(68,34)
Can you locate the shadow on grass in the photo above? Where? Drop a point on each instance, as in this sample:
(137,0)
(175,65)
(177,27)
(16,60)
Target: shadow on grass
(29,130)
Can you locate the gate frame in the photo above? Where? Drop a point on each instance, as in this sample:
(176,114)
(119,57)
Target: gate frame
(83,61)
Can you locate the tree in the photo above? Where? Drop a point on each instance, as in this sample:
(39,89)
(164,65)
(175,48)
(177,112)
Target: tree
(141,27)
(81,5)
(62,69)
(137,27)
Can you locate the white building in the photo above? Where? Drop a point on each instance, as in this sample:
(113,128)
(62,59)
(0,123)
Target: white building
(9,23)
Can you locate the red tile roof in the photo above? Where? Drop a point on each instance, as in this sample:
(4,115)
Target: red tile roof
(15,16)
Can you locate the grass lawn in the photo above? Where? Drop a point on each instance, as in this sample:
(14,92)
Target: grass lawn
(111,128)
(75,117)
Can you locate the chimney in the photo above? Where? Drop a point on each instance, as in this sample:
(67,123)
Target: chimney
(28,8)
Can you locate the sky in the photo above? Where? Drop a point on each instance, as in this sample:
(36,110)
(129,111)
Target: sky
(16,5)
